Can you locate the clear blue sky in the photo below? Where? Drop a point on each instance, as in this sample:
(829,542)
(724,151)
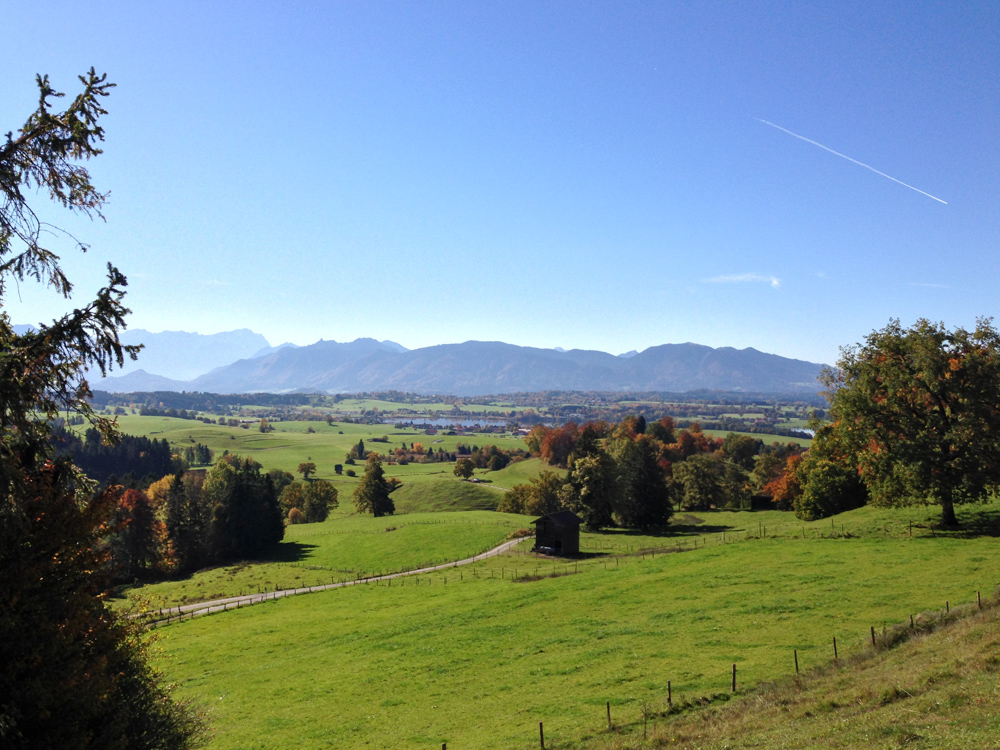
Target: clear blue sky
(584,175)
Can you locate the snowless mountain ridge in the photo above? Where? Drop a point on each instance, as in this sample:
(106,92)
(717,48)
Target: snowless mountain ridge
(466,369)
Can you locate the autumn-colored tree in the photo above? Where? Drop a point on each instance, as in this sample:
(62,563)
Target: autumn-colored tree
(787,488)
(662,430)
(306,468)
(918,410)
(536,437)
(137,537)
(157,491)
(557,445)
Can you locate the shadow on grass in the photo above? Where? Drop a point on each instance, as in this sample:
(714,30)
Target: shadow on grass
(288,552)
(664,532)
(979,522)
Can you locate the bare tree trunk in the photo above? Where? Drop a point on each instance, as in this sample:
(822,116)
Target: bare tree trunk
(948,517)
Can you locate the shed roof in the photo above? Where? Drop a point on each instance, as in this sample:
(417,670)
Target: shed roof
(561,518)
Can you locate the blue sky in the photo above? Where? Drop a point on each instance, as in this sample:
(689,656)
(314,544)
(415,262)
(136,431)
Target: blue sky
(584,175)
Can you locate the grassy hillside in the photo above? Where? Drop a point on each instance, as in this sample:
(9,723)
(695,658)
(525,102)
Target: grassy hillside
(937,689)
(445,495)
(472,658)
(519,473)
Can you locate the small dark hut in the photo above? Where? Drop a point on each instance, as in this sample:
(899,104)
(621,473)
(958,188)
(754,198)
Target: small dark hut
(558,533)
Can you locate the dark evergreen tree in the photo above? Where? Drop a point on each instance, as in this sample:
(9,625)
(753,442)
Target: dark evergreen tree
(372,493)
(135,539)
(73,673)
(643,496)
(185,526)
(246,517)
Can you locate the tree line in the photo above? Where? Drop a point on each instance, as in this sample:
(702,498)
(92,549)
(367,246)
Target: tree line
(187,520)
(634,474)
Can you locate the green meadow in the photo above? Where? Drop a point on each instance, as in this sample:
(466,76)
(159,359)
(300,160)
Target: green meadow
(477,656)
(292,443)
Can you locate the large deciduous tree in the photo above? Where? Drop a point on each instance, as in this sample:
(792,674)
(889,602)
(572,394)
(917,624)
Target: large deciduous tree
(592,489)
(917,412)
(319,498)
(73,673)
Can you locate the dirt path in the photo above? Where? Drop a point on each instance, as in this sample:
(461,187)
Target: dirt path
(186,611)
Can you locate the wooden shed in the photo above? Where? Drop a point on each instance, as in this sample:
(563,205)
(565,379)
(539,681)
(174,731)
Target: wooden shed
(558,533)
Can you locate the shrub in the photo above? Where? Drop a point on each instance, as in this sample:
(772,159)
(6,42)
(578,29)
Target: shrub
(827,489)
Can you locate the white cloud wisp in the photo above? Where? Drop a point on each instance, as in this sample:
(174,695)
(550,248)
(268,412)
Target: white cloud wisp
(744,278)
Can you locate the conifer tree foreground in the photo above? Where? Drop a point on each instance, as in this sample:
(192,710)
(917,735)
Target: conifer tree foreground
(73,674)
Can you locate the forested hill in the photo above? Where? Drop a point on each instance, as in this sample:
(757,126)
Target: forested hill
(478,367)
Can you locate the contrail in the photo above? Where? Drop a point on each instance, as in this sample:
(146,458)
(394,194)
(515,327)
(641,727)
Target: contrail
(845,156)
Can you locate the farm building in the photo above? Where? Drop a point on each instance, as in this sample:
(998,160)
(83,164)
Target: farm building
(558,533)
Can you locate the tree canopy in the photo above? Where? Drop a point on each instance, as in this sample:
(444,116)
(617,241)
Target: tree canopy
(73,674)
(916,411)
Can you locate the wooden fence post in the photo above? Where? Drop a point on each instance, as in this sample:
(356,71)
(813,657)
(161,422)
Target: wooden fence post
(835,648)
(979,599)
(670,698)
(873,636)
(796,652)
(609,714)
(734,678)
(541,735)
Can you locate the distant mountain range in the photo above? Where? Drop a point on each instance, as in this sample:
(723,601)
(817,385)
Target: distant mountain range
(467,369)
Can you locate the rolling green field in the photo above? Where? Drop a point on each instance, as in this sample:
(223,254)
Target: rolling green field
(475,659)
(291,443)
